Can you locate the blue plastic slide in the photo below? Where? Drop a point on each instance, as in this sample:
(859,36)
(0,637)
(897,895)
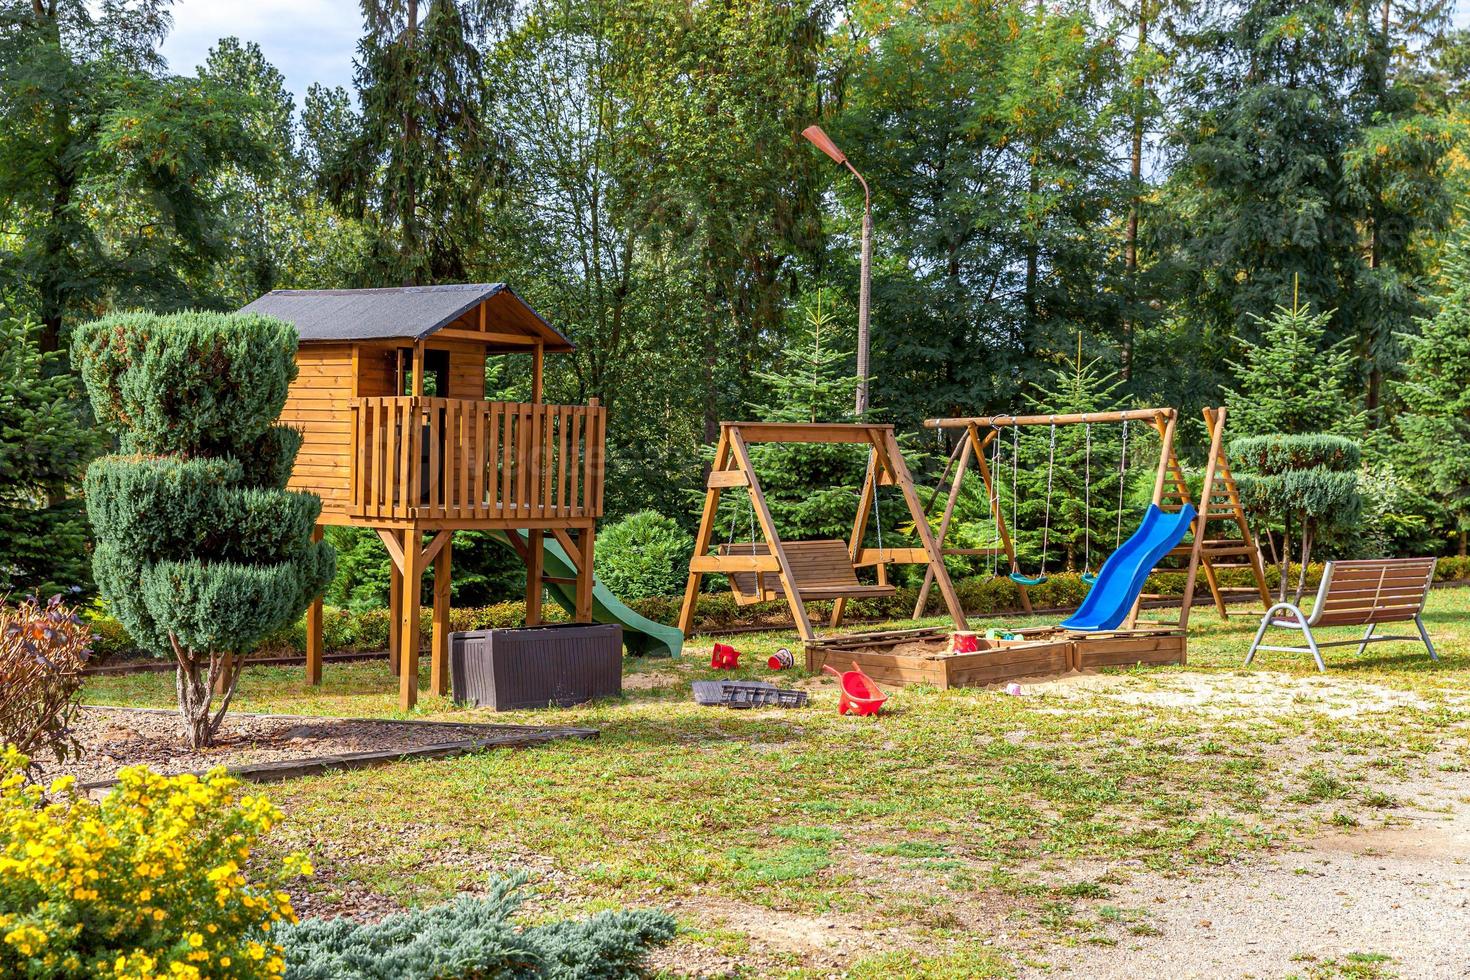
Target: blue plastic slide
(640,635)
(1121,578)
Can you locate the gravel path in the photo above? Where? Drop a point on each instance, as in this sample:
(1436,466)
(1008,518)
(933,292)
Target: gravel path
(1333,908)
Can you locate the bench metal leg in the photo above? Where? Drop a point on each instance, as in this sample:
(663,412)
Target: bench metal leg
(1312,645)
(1260,634)
(1366,637)
(1424,635)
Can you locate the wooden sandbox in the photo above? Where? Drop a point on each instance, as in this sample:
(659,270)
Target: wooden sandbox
(922,656)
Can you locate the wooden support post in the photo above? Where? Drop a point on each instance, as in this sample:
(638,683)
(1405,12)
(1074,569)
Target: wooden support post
(439,655)
(535,567)
(314,639)
(408,622)
(585,573)
(418,369)
(773,540)
(222,679)
(905,482)
(538,357)
(1200,520)
(395,614)
(704,538)
(1165,426)
(960,467)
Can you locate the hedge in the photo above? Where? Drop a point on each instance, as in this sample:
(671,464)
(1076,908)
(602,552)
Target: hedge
(349,632)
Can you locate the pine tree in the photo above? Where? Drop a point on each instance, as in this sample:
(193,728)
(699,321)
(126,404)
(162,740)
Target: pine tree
(201,552)
(1291,381)
(811,488)
(44,445)
(1435,425)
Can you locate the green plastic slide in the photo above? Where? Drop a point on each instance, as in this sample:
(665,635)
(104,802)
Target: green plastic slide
(640,635)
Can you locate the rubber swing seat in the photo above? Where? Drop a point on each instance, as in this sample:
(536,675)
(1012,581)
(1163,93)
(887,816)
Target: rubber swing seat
(1089,578)
(1026,580)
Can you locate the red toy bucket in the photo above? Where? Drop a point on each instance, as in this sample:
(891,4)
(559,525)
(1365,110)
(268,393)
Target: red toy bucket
(724,657)
(963,641)
(859,694)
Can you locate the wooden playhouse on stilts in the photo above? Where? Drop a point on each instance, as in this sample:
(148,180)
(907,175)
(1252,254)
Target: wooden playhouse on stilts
(399,438)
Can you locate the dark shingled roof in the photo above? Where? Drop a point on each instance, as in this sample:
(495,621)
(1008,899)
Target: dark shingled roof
(404,312)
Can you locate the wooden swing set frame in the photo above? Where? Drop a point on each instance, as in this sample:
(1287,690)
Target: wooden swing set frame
(1220,498)
(807,571)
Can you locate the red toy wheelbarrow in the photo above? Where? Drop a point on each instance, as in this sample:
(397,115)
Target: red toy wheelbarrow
(859,694)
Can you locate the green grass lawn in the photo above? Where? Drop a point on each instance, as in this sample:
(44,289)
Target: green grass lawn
(952,818)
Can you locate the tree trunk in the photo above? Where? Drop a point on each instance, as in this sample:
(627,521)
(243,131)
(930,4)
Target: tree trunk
(1301,578)
(410,137)
(1285,560)
(194,683)
(1463,536)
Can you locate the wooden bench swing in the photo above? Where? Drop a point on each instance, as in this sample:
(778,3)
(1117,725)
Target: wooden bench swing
(805,571)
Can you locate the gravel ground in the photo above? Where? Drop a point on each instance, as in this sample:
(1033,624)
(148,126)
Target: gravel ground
(1384,901)
(112,738)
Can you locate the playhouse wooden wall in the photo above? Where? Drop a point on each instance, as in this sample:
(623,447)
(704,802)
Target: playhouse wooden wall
(320,399)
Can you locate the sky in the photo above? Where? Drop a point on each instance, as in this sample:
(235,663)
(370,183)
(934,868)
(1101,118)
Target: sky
(308,40)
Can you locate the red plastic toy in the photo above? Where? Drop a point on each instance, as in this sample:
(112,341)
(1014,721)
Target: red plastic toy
(724,657)
(962,641)
(781,660)
(859,694)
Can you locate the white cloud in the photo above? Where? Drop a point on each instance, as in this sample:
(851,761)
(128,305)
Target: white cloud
(308,40)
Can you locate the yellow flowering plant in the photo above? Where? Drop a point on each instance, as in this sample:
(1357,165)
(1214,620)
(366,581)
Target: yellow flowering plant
(150,881)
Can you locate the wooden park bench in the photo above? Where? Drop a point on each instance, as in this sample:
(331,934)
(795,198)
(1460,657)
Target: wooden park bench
(1357,593)
(822,570)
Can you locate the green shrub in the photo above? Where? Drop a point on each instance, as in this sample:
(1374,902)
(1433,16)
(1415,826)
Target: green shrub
(154,880)
(644,554)
(474,938)
(201,552)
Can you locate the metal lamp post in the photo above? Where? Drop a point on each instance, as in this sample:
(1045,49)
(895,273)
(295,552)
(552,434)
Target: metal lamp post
(824,143)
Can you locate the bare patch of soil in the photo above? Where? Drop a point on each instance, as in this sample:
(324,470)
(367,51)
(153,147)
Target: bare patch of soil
(112,738)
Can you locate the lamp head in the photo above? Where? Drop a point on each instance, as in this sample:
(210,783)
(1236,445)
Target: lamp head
(824,143)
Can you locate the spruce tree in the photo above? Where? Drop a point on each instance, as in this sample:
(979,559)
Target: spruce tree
(44,445)
(201,552)
(811,489)
(1292,381)
(1434,427)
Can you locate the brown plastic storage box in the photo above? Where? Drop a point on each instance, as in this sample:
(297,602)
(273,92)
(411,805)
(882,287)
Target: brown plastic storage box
(536,666)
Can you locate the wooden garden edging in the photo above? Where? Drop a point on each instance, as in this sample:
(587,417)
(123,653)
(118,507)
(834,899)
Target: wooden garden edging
(498,737)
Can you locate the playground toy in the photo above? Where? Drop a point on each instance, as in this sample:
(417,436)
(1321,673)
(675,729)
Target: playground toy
(860,695)
(399,437)
(1357,593)
(746,694)
(724,657)
(781,660)
(803,571)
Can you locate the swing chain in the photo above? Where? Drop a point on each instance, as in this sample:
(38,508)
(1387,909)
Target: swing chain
(1122,472)
(998,543)
(1051,456)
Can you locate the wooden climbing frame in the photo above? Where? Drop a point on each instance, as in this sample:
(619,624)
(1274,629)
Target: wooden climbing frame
(799,584)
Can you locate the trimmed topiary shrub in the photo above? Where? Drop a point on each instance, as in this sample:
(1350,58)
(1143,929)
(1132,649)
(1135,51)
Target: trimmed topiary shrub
(644,554)
(201,553)
(1307,484)
(473,938)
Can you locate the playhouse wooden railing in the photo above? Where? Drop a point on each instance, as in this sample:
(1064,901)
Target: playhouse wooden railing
(455,459)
